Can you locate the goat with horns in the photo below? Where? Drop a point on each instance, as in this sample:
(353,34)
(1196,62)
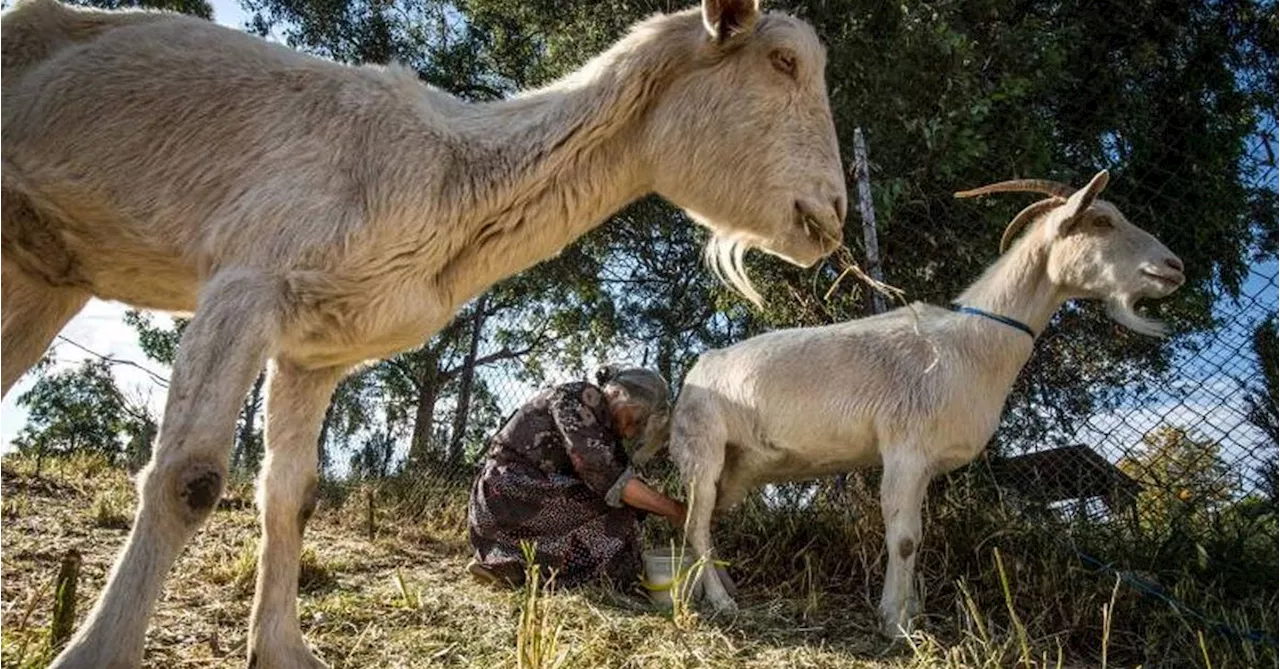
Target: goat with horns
(918,390)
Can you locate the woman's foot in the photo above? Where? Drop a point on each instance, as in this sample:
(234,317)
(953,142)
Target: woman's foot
(483,575)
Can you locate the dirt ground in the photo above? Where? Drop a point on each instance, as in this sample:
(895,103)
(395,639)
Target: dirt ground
(398,600)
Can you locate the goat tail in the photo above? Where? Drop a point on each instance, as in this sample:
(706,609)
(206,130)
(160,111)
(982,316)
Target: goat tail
(35,31)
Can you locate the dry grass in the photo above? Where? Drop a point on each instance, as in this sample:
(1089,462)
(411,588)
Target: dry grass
(403,600)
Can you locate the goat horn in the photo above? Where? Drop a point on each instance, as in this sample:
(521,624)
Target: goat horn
(1024,217)
(1055,188)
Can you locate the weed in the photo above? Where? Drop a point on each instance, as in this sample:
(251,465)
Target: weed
(15,507)
(809,577)
(412,598)
(536,638)
(111,510)
(314,575)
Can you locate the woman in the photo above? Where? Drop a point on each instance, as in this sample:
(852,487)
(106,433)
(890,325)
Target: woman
(557,474)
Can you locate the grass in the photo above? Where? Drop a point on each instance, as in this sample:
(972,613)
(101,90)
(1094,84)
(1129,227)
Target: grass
(807,582)
(111,510)
(538,635)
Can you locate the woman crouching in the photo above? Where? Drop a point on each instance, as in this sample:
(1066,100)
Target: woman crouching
(557,475)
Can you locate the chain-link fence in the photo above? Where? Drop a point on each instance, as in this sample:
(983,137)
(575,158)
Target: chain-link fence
(1157,455)
(1188,450)
(1144,459)
(1103,427)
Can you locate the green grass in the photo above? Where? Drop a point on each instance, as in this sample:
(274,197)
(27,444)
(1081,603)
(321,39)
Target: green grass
(808,584)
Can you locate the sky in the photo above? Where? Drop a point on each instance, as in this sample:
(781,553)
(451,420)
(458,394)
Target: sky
(229,13)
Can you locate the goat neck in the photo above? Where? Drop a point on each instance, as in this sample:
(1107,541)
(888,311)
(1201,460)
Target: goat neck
(569,155)
(1016,286)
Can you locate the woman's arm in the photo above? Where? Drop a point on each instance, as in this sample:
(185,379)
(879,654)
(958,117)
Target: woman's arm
(579,412)
(638,494)
(594,457)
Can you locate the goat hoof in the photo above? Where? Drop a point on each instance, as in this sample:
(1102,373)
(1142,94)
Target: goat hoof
(285,658)
(91,656)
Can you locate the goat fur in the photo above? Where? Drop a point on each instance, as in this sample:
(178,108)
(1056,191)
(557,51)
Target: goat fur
(317,216)
(918,390)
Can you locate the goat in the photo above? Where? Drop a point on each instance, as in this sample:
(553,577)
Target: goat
(317,215)
(918,390)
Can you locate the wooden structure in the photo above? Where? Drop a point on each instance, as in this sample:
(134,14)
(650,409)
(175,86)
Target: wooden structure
(1068,473)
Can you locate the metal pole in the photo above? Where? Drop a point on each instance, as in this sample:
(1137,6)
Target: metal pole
(867,209)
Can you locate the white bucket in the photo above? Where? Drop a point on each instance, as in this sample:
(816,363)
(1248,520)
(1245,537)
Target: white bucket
(660,566)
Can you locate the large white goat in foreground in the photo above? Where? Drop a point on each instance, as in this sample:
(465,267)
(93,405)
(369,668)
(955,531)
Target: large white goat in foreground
(918,390)
(318,215)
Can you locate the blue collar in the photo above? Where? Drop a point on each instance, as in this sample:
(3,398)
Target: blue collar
(995,317)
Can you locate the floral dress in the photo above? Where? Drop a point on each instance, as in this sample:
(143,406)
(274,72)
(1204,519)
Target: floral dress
(554,475)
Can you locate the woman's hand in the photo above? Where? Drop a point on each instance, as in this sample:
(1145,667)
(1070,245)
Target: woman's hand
(677,517)
(638,494)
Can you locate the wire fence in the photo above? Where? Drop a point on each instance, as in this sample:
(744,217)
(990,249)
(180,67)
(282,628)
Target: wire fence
(1182,449)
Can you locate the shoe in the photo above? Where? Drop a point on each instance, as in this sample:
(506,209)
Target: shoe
(482,574)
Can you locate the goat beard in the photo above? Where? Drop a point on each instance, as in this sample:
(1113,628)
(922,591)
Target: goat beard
(723,256)
(1121,310)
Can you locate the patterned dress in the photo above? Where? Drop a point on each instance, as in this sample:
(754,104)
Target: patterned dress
(554,474)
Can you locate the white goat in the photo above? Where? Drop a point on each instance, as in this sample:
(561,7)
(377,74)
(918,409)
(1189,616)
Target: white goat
(918,390)
(318,215)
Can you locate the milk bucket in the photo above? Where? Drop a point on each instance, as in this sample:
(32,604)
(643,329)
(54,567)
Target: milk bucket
(660,565)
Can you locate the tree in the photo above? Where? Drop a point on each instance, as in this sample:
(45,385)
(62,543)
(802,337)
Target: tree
(1184,478)
(82,410)
(157,343)
(1193,511)
(440,392)
(1170,96)
(1262,402)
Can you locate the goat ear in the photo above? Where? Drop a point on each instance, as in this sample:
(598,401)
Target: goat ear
(1079,202)
(1081,199)
(726,18)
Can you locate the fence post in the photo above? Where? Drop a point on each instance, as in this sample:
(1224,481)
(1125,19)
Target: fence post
(867,210)
(64,601)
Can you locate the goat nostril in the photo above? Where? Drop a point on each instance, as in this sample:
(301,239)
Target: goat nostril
(1174,263)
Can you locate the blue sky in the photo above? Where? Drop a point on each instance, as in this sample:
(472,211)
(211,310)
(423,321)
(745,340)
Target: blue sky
(229,13)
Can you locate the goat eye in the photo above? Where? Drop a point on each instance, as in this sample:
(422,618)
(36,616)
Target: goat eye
(1102,223)
(783,61)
